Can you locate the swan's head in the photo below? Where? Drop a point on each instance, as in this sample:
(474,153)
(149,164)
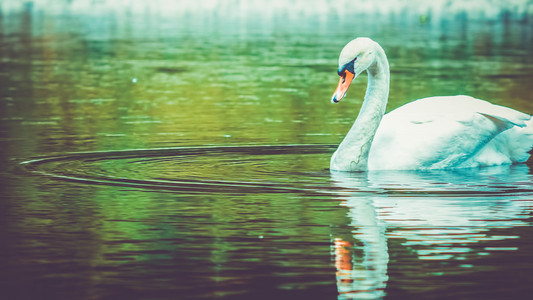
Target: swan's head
(357,56)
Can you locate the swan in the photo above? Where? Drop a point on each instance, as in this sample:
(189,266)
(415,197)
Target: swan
(441,132)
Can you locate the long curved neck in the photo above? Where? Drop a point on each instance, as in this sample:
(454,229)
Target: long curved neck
(352,154)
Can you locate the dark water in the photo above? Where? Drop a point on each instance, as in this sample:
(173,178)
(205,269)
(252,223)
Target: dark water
(159,151)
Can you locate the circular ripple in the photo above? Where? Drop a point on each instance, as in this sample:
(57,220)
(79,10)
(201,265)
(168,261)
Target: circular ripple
(242,169)
(271,169)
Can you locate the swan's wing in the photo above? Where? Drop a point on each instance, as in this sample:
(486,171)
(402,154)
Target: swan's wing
(461,108)
(439,132)
(510,146)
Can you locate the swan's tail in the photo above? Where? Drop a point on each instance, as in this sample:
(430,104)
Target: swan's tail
(521,142)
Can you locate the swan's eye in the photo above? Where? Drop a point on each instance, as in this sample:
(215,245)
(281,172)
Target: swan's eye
(349,66)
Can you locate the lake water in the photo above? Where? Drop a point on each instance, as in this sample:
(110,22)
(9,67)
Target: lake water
(156,150)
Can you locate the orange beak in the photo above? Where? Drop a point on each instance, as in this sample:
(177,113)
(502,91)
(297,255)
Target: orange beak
(344,84)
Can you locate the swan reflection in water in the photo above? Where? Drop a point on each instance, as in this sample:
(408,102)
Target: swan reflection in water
(438,215)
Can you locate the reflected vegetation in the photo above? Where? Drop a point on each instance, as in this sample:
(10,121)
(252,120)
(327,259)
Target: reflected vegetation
(213,213)
(94,80)
(450,219)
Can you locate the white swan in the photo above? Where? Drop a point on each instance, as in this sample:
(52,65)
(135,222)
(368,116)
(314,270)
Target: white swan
(430,133)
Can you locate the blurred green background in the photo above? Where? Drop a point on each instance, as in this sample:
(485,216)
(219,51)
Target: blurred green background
(100,75)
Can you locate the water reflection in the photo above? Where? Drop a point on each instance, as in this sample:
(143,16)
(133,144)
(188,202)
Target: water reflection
(438,215)
(95,76)
(362,264)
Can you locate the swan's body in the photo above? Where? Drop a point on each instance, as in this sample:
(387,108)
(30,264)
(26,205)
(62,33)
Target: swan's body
(430,133)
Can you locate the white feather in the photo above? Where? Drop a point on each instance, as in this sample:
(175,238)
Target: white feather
(450,132)
(431,133)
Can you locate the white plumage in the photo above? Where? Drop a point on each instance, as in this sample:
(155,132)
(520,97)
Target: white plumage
(450,132)
(431,133)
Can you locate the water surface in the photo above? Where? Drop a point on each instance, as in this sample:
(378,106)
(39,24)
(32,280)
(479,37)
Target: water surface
(182,152)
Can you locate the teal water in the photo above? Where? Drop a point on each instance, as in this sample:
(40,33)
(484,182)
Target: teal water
(158,151)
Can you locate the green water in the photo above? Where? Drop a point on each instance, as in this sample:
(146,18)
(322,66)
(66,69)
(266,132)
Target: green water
(208,217)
